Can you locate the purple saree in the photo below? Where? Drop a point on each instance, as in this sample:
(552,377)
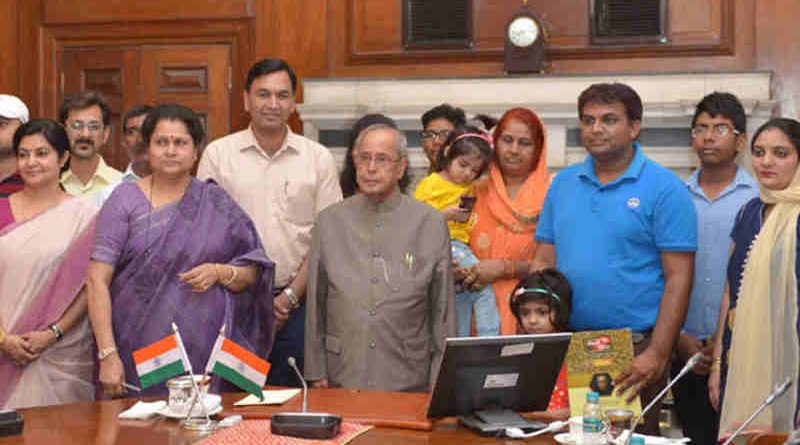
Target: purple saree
(150,247)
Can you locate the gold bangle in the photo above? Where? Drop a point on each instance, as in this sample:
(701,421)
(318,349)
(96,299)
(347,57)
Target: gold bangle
(2,335)
(106,353)
(232,279)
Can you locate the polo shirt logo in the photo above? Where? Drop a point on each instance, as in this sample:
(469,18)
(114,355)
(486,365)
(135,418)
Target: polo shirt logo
(633,203)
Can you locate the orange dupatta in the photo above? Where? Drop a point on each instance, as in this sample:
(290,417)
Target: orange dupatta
(504,228)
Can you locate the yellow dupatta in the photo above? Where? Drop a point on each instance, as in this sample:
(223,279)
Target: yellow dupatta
(764,345)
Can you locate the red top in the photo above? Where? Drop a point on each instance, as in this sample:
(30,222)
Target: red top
(6,217)
(11,184)
(560,397)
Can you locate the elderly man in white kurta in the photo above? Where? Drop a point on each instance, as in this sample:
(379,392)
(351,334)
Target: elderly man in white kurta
(380,299)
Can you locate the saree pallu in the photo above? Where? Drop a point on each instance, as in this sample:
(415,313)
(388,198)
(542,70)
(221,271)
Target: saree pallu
(43,263)
(205,226)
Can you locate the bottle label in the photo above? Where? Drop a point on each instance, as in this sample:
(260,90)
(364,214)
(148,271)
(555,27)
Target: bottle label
(592,425)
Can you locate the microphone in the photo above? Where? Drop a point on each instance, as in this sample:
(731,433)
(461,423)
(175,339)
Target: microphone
(779,390)
(304,424)
(693,360)
(293,364)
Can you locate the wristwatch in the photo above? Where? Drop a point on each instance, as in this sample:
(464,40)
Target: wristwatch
(105,353)
(292,297)
(54,327)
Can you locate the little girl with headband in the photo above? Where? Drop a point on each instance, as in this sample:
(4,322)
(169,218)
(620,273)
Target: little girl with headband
(541,303)
(464,158)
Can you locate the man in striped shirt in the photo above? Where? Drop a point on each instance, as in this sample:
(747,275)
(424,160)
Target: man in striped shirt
(13,113)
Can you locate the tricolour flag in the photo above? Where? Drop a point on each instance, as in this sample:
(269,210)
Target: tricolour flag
(159,361)
(238,366)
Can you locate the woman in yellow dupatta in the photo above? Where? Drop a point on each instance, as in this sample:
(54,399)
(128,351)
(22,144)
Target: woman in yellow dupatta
(757,335)
(508,204)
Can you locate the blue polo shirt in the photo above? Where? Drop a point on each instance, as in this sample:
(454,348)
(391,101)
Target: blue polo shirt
(714,225)
(608,239)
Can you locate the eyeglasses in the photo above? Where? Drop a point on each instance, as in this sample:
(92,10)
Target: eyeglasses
(436,135)
(720,130)
(380,160)
(78,126)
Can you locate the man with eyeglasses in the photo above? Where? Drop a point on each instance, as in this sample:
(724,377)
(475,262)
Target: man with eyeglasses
(719,187)
(13,113)
(282,180)
(623,230)
(87,119)
(380,288)
(437,124)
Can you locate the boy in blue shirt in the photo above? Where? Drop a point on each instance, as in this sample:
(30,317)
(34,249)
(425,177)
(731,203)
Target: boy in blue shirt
(718,188)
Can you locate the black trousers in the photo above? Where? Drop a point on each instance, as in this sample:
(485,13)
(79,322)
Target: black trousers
(289,342)
(697,417)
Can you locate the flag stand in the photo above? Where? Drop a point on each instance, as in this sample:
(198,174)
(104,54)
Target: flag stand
(189,423)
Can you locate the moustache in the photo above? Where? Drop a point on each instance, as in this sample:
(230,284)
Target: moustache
(85,141)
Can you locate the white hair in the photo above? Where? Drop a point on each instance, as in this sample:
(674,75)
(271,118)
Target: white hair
(402,142)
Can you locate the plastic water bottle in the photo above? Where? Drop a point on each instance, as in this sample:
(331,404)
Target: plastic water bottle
(592,420)
(637,440)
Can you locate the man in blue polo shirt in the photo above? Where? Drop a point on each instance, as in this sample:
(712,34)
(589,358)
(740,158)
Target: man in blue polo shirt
(623,230)
(719,188)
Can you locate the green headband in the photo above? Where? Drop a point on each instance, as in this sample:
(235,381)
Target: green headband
(537,290)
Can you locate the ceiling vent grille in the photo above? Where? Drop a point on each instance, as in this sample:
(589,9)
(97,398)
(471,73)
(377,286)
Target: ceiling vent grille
(437,24)
(628,22)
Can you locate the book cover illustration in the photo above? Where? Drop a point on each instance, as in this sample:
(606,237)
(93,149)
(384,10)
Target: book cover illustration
(593,360)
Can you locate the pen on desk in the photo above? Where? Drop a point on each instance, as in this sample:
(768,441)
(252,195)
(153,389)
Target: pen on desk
(131,387)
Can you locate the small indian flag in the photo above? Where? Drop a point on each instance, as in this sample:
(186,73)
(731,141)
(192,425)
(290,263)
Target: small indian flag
(238,366)
(159,361)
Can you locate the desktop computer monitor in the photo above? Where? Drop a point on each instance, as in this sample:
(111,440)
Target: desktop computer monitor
(488,380)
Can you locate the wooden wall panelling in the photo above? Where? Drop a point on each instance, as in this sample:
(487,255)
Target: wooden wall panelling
(9,34)
(776,36)
(94,11)
(29,56)
(365,40)
(295,31)
(195,76)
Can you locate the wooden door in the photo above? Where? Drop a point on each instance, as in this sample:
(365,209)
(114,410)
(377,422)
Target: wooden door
(197,76)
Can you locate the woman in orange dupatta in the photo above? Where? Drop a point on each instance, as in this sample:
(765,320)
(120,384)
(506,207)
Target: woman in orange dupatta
(507,209)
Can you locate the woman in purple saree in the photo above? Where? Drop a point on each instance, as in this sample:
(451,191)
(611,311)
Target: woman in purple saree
(45,237)
(171,249)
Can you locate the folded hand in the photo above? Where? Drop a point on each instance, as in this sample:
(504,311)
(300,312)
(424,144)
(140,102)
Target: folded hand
(18,350)
(39,340)
(201,278)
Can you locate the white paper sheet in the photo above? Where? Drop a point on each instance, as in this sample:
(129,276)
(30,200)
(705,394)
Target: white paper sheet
(271,397)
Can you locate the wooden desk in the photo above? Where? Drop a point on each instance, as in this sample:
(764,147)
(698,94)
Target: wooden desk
(97,423)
